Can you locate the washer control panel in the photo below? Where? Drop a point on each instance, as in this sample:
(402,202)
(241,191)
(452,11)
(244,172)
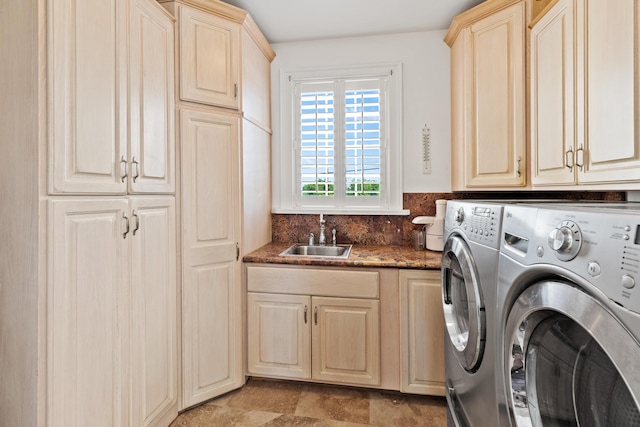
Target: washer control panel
(479,222)
(601,245)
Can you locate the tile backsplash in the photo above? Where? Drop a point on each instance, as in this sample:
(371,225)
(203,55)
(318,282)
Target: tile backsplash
(396,230)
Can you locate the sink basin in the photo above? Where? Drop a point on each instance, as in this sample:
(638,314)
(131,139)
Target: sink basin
(299,249)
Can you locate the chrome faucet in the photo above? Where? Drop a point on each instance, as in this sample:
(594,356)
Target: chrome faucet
(322,239)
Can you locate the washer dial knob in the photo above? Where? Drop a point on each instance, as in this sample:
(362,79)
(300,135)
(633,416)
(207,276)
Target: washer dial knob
(566,240)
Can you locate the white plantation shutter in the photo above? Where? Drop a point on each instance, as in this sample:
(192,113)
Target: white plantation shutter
(363,137)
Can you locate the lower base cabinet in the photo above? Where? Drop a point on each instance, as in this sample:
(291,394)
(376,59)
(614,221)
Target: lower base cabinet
(379,328)
(314,324)
(422,333)
(309,337)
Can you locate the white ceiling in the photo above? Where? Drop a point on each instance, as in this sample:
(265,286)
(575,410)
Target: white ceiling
(296,20)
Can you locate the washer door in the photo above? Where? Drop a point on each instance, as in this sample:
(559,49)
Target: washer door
(462,303)
(570,362)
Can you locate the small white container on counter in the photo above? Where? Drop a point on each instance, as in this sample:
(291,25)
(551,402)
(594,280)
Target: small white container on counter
(434,227)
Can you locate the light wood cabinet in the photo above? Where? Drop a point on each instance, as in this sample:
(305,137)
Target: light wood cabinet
(314,324)
(211,221)
(346,340)
(608,91)
(335,340)
(223,154)
(88,314)
(422,331)
(209,58)
(92,88)
(151,100)
(552,109)
(279,335)
(584,120)
(154,331)
(112,317)
(92,150)
(488,96)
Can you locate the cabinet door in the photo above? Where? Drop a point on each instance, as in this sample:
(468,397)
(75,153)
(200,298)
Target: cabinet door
(154,367)
(279,335)
(209,58)
(211,284)
(422,333)
(552,97)
(495,126)
(87,315)
(152,110)
(87,72)
(256,83)
(346,340)
(609,75)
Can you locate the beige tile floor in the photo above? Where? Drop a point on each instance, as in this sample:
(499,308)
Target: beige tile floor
(284,403)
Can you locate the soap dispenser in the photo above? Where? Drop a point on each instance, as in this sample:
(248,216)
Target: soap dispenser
(434,227)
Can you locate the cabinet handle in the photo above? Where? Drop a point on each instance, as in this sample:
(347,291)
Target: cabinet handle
(237,251)
(126,226)
(580,157)
(137,166)
(235,90)
(518,166)
(305,314)
(123,169)
(568,158)
(134,215)
(315,315)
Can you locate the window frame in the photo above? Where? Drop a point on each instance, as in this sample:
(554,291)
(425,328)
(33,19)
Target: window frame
(390,200)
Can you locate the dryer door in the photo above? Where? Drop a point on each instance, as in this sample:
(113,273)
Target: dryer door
(570,362)
(462,303)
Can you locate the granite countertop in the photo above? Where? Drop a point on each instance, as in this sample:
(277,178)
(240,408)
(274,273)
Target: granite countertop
(360,256)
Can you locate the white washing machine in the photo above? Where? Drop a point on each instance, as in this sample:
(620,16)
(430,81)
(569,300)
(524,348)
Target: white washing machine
(568,315)
(469,280)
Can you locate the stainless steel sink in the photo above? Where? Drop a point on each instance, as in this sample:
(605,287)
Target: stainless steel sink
(299,249)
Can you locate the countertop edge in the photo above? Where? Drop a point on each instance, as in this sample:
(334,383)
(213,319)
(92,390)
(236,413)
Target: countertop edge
(364,256)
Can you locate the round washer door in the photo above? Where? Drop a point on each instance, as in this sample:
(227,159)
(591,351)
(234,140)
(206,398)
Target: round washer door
(462,303)
(569,361)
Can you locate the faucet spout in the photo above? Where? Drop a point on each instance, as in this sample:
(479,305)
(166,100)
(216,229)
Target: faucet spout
(322,239)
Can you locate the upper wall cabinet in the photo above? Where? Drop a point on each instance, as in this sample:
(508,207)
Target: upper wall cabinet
(488,96)
(209,58)
(92,113)
(595,140)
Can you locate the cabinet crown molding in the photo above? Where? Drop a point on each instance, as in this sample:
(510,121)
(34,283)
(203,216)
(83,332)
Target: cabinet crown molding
(474,14)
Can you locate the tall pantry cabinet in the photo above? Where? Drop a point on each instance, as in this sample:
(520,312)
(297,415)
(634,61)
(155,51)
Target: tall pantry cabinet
(88,253)
(223,75)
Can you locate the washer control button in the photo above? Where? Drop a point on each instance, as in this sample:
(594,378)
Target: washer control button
(627,228)
(625,237)
(628,281)
(540,251)
(593,268)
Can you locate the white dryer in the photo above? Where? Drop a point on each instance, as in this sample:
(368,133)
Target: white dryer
(568,315)
(469,280)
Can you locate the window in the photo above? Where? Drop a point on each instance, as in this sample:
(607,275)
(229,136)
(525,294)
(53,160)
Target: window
(344,142)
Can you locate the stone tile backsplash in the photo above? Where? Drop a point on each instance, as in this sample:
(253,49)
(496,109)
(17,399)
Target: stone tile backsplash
(396,230)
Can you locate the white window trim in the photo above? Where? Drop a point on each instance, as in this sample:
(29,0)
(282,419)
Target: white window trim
(287,184)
